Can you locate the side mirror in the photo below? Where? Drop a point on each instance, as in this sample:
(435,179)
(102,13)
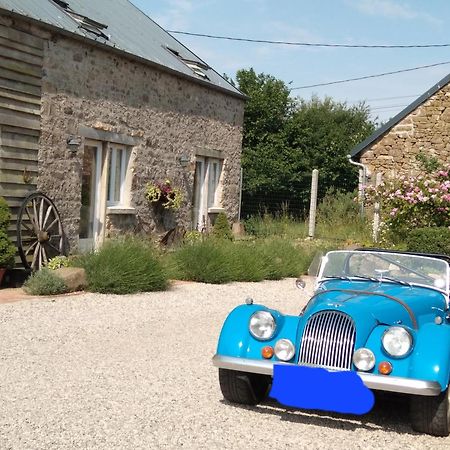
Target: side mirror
(300,284)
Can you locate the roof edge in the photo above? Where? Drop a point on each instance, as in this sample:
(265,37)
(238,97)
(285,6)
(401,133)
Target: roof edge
(361,147)
(188,49)
(121,52)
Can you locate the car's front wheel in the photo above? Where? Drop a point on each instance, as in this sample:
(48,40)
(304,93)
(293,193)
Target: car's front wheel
(243,387)
(431,415)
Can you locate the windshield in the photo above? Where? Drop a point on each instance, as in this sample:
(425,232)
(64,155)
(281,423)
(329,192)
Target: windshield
(390,267)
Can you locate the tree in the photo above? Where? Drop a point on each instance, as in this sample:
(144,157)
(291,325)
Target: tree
(267,109)
(285,139)
(321,133)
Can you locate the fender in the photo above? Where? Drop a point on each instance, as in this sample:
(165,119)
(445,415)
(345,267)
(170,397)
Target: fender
(235,338)
(430,359)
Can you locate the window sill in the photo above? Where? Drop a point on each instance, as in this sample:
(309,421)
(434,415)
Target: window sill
(215,210)
(120,210)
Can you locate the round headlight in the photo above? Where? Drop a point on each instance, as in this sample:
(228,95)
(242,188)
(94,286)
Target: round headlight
(364,359)
(284,350)
(262,325)
(397,341)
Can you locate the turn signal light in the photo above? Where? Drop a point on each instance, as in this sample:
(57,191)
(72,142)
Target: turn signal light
(385,368)
(267,352)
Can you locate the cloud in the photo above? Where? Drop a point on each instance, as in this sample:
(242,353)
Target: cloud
(392,10)
(177,15)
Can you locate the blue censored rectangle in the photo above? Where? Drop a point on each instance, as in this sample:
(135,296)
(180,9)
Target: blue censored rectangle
(317,388)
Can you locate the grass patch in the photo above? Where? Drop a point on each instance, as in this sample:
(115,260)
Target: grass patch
(44,282)
(123,267)
(338,219)
(268,226)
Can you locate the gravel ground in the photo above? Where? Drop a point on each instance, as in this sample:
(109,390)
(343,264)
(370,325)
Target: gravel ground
(97,371)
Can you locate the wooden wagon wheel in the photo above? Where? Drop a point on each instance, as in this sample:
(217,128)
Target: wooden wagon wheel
(40,235)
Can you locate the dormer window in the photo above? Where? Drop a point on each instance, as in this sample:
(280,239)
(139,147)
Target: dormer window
(86,23)
(198,67)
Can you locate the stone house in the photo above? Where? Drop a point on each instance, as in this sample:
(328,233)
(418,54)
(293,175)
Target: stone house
(421,129)
(96,101)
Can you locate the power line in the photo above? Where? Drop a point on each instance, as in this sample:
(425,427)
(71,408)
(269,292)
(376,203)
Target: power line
(380,99)
(387,107)
(305,44)
(371,76)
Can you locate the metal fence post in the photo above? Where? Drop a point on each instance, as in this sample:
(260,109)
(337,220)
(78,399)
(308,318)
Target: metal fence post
(376,211)
(313,203)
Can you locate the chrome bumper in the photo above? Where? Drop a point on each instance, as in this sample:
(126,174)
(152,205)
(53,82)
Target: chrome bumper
(377,382)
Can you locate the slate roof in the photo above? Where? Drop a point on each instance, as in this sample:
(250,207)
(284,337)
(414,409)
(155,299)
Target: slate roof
(127,29)
(400,116)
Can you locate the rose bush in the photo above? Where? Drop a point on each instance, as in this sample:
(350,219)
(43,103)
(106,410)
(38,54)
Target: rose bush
(408,203)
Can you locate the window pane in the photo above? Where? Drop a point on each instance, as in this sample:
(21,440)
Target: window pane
(109,196)
(117,172)
(117,178)
(213,182)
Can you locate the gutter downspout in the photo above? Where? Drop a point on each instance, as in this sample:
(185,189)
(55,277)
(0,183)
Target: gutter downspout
(363,175)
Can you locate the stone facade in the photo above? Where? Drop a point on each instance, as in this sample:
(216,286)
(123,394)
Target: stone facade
(426,130)
(84,86)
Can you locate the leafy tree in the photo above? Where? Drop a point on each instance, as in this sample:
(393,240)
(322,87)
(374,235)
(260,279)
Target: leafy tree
(267,109)
(321,133)
(285,139)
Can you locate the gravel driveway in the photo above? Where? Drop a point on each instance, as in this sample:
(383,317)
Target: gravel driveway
(97,371)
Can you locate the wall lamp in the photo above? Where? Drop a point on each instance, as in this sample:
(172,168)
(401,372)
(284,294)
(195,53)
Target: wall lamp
(73,144)
(184,160)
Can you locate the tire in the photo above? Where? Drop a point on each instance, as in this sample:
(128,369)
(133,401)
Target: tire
(431,415)
(243,387)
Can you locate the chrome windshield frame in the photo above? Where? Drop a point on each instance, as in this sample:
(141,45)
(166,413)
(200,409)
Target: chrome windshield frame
(445,292)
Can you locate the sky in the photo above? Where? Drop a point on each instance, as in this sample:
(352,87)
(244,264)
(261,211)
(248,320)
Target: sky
(373,22)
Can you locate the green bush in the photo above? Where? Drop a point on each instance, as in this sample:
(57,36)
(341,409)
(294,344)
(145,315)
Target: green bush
(221,261)
(44,282)
(429,240)
(58,261)
(123,267)
(7,251)
(338,218)
(5,215)
(245,262)
(205,261)
(282,259)
(221,228)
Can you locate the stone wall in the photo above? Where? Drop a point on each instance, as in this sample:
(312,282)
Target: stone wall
(84,86)
(426,130)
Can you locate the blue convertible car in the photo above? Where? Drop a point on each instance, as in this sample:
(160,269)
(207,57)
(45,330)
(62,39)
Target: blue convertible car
(381,317)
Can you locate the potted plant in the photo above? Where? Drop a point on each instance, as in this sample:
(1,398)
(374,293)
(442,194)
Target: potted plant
(165,199)
(164,193)
(7,249)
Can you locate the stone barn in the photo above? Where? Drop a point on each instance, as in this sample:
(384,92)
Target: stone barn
(421,130)
(97,101)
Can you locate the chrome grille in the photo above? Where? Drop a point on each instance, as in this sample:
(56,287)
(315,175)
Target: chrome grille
(328,341)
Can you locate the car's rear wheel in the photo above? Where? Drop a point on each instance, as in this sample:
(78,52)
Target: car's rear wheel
(243,387)
(431,415)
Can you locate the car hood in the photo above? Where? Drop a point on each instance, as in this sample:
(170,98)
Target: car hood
(371,304)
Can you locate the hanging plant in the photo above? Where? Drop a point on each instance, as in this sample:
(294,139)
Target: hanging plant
(168,196)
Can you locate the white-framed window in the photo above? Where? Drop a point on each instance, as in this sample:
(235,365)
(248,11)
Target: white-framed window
(117,175)
(207,191)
